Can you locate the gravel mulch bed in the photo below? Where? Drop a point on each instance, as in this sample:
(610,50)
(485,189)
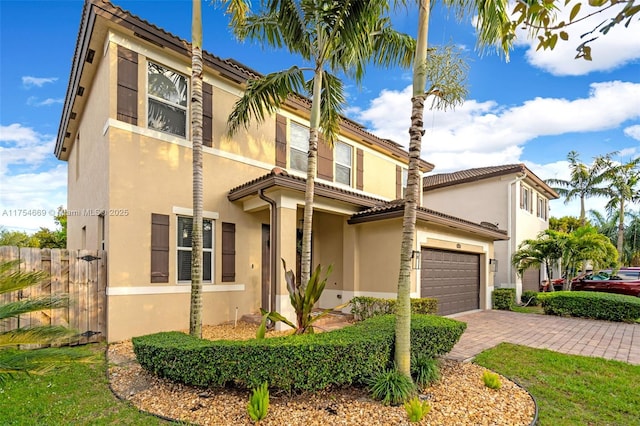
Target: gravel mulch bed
(459,398)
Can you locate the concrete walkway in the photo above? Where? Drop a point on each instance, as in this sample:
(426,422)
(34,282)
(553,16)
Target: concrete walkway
(486,329)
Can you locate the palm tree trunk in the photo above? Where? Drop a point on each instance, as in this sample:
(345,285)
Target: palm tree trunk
(195,312)
(620,242)
(403,311)
(583,214)
(312,167)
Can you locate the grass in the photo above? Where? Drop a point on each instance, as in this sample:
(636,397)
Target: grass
(528,309)
(570,389)
(73,394)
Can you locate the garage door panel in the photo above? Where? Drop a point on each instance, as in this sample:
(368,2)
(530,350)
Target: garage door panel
(451,277)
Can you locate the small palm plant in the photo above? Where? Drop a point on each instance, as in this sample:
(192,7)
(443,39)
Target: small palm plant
(13,360)
(303,299)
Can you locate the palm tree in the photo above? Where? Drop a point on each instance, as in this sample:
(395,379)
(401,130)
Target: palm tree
(492,21)
(583,181)
(544,251)
(624,187)
(331,38)
(13,360)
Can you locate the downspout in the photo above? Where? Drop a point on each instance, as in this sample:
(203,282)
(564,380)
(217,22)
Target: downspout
(509,222)
(273,230)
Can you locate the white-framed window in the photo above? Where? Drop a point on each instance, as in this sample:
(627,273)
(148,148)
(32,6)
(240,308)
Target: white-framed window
(344,163)
(167,93)
(543,208)
(184,249)
(526,199)
(298,146)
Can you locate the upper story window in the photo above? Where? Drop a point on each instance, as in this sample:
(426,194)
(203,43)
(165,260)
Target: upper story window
(167,100)
(526,198)
(299,146)
(405,182)
(344,161)
(184,249)
(542,208)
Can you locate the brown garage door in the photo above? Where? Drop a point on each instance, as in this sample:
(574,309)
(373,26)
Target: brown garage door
(531,279)
(451,277)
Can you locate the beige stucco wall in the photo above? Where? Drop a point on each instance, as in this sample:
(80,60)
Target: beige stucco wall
(379,175)
(87,176)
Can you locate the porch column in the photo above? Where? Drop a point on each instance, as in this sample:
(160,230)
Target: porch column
(286,249)
(350,262)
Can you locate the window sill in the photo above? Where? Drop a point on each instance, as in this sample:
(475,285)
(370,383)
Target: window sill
(171,289)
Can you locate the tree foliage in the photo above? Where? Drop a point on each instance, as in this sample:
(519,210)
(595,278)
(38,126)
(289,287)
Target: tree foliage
(43,238)
(540,17)
(565,223)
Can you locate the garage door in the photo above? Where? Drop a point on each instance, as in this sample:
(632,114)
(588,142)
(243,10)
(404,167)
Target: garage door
(531,280)
(451,277)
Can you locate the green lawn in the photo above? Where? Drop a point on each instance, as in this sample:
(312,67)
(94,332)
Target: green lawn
(528,309)
(74,394)
(570,389)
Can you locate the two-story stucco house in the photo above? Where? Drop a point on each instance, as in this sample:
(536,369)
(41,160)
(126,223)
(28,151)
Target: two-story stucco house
(510,197)
(125,135)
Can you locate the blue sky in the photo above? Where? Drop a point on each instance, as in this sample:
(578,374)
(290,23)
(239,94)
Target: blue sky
(533,109)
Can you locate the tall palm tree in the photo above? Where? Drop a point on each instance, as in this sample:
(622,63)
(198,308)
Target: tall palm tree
(624,180)
(583,182)
(543,251)
(195,311)
(492,21)
(331,38)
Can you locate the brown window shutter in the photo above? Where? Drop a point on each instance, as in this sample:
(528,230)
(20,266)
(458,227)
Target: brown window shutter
(228,252)
(398,182)
(325,160)
(281,140)
(207,115)
(127,102)
(159,248)
(360,169)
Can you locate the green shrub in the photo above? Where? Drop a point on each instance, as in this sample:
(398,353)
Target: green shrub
(416,409)
(293,363)
(595,305)
(424,370)
(391,387)
(504,298)
(363,307)
(529,298)
(259,403)
(491,380)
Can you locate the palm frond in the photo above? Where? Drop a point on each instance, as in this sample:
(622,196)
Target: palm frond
(237,10)
(331,101)
(446,72)
(11,279)
(19,307)
(35,335)
(14,362)
(264,96)
(392,47)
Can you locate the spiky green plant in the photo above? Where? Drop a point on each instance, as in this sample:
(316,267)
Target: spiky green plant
(416,409)
(303,299)
(391,387)
(13,360)
(491,380)
(425,370)
(259,403)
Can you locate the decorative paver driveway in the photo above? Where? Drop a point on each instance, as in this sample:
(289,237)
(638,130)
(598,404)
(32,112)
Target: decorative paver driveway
(576,336)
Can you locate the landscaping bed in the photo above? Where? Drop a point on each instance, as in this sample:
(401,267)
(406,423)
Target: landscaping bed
(459,398)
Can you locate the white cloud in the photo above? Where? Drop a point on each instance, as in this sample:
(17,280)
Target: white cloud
(34,183)
(33,101)
(28,81)
(618,47)
(633,131)
(485,133)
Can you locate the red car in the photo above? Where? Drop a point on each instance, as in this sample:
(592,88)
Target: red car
(625,281)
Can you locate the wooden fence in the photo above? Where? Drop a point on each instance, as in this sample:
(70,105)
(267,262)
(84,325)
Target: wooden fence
(82,274)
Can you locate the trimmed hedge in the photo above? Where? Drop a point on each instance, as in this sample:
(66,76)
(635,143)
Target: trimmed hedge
(363,307)
(504,298)
(589,304)
(347,356)
(529,298)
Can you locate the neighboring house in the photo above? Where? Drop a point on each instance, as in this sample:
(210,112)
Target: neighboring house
(125,135)
(508,197)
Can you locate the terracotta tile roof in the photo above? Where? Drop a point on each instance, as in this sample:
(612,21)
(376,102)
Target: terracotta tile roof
(442,180)
(395,208)
(280,177)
